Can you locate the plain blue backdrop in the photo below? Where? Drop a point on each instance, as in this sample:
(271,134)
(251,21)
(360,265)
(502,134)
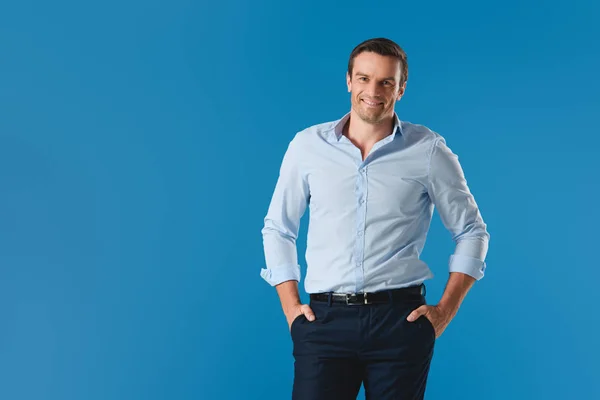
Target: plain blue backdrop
(140,143)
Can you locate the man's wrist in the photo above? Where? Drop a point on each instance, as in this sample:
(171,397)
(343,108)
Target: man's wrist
(456,289)
(289,296)
(448,308)
(288,308)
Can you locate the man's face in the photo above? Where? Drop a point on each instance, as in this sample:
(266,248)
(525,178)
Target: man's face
(374,86)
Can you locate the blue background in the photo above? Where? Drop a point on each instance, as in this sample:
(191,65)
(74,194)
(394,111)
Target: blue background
(140,143)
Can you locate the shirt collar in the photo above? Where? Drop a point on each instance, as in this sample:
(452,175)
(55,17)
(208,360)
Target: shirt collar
(338,126)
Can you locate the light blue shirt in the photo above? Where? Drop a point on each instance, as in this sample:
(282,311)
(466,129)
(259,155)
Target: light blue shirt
(368,220)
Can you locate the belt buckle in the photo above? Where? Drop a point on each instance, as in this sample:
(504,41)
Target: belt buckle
(354,295)
(348,297)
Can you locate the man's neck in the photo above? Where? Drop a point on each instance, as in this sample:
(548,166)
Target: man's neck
(364,133)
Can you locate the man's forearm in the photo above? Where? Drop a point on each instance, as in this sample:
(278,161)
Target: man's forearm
(456,289)
(288,294)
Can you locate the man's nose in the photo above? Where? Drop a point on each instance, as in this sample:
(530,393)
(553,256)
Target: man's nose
(373,89)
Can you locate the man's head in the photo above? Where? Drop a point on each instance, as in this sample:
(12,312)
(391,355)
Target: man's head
(376,78)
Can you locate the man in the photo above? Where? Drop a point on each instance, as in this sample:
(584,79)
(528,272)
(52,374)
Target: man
(371,182)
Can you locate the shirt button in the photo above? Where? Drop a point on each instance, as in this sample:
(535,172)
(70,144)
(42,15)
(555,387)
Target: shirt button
(362,170)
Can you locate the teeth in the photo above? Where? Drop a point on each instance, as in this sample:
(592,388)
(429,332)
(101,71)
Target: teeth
(370,103)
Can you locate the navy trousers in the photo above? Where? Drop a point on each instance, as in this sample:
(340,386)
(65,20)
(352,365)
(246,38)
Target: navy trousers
(370,344)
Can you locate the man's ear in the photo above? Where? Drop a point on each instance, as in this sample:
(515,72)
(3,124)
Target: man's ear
(348,82)
(401,91)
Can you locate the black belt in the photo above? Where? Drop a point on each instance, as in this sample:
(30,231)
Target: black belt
(384,296)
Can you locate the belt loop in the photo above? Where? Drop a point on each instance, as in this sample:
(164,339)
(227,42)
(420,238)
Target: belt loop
(423,289)
(389,293)
(329,296)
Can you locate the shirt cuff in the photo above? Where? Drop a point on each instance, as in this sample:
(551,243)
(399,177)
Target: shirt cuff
(467,265)
(275,276)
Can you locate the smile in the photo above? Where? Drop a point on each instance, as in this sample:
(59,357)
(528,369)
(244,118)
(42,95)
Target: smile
(371,104)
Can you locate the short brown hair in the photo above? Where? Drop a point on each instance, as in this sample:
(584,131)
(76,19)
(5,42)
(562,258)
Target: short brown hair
(383,47)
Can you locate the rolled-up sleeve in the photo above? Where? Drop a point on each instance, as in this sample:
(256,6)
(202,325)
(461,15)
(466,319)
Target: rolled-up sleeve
(448,190)
(282,222)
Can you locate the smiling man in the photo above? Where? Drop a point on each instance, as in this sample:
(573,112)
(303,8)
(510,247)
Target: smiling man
(371,182)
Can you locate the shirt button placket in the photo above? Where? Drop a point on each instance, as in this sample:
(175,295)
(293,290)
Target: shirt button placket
(360,226)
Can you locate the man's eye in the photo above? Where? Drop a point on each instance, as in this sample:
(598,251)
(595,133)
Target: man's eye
(362,78)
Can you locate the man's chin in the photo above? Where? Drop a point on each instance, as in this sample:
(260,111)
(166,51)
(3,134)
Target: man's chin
(370,116)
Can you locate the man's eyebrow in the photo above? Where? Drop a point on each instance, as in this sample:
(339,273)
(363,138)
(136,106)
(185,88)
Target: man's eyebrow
(389,78)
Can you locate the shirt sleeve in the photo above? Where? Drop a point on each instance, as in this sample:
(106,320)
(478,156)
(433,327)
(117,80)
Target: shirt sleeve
(458,211)
(282,222)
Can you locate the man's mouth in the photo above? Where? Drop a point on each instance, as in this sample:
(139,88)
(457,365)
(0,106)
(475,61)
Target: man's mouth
(371,103)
